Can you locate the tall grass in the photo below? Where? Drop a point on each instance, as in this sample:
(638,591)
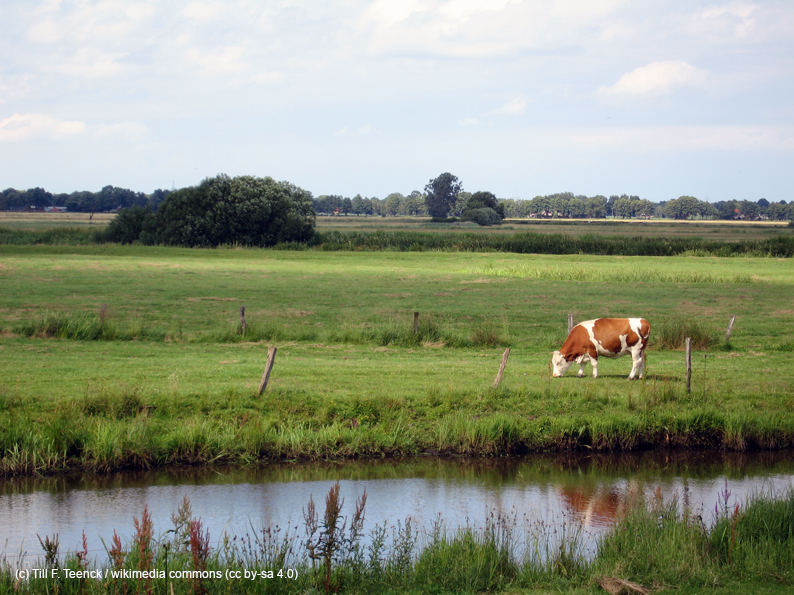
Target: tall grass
(539,243)
(95,327)
(672,332)
(653,546)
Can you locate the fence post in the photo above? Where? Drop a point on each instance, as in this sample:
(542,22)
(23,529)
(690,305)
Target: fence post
(688,364)
(730,328)
(501,368)
(570,322)
(271,357)
(416,322)
(242,320)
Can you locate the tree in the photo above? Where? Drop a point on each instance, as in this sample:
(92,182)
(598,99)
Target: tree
(244,210)
(441,194)
(132,224)
(682,207)
(483,208)
(391,204)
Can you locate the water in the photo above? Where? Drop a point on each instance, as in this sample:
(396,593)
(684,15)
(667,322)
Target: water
(543,495)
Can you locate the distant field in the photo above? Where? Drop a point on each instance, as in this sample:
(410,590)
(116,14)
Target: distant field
(712,230)
(36,221)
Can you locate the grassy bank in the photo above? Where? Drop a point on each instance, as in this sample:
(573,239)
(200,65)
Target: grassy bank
(114,357)
(657,545)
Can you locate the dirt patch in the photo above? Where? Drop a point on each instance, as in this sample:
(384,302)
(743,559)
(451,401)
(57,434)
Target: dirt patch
(213,299)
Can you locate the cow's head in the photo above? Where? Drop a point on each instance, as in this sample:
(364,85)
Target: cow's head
(559,364)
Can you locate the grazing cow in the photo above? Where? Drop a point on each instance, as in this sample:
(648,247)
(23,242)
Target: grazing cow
(610,337)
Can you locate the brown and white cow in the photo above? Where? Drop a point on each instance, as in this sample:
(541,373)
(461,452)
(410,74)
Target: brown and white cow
(610,337)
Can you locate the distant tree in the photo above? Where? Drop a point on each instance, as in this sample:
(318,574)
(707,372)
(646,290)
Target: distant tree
(347,206)
(132,224)
(683,207)
(357,205)
(391,204)
(38,198)
(483,208)
(441,193)
(749,210)
(596,207)
(414,204)
(778,211)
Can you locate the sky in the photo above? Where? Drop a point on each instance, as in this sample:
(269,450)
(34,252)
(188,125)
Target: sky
(522,98)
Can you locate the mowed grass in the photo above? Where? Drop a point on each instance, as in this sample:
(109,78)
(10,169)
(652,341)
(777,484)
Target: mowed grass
(172,380)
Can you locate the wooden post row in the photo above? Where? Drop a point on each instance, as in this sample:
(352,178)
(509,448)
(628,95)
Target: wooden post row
(570,323)
(242,320)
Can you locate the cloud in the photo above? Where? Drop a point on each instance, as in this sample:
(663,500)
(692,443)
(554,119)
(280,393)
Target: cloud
(220,61)
(22,127)
(129,131)
(655,78)
(365,130)
(514,107)
(203,11)
(677,138)
(472,29)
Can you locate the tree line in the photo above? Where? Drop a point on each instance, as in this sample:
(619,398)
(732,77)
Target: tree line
(456,203)
(565,205)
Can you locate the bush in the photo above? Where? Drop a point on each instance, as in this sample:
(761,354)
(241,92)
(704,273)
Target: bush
(482,216)
(245,211)
(129,226)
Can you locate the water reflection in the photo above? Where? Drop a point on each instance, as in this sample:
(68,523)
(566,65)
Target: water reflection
(546,492)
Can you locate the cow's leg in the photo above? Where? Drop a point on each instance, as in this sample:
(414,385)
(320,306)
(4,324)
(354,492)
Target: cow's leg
(636,364)
(582,364)
(594,361)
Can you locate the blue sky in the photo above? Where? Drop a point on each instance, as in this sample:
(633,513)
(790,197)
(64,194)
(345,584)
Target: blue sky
(654,98)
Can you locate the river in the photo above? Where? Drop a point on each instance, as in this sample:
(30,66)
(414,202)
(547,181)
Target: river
(550,496)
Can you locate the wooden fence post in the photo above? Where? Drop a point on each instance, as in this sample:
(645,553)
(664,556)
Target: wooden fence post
(688,364)
(501,368)
(730,328)
(242,320)
(271,357)
(570,322)
(416,322)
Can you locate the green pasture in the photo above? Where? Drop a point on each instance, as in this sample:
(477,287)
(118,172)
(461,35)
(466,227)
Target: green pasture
(117,356)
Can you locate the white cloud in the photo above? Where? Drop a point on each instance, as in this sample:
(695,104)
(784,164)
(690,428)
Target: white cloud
(22,127)
(203,11)
(736,19)
(91,63)
(477,29)
(130,131)
(514,107)
(656,78)
(220,61)
(677,138)
(365,130)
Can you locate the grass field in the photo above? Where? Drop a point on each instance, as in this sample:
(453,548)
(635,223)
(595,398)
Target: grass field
(117,356)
